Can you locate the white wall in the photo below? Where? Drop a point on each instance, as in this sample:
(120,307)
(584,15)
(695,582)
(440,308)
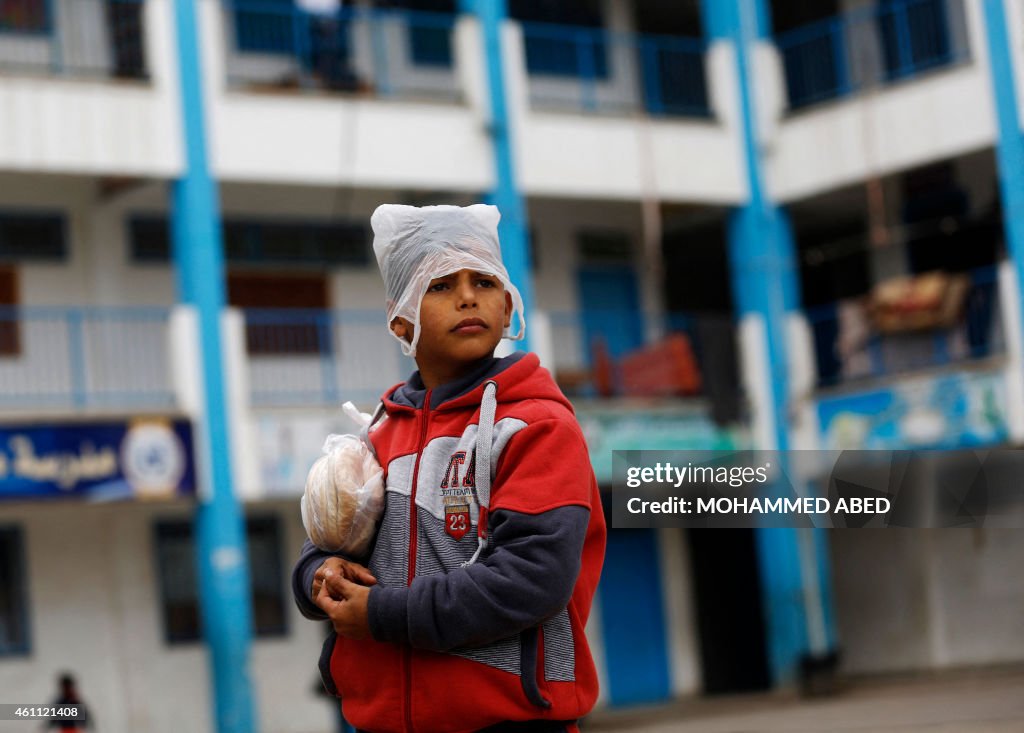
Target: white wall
(97,270)
(95,611)
(78,126)
(923,599)
(294,137)
(943,114)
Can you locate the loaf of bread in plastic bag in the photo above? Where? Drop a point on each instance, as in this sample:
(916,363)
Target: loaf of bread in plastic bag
(344,497)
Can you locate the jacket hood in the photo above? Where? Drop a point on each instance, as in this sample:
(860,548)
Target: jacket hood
(519,376)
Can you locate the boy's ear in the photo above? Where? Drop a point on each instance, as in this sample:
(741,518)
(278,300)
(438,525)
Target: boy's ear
(508,309)
(402,328)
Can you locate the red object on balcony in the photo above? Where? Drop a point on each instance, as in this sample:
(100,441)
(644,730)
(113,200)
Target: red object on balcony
(662,370)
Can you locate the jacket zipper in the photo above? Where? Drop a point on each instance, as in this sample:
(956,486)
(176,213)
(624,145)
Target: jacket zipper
(412,554)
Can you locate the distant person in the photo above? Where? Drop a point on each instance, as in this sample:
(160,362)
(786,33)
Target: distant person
(68,697)
(328,43)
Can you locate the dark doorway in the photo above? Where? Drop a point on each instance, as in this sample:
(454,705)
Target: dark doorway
(730,621)
(698,303)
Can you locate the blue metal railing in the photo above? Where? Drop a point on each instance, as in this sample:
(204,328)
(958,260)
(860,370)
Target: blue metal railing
(848,346)
(386,52)
(873,45)
(104,38)
(84,357)
(597,70)
(315,357)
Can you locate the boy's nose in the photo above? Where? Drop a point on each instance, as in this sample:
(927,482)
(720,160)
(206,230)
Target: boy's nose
(466,294)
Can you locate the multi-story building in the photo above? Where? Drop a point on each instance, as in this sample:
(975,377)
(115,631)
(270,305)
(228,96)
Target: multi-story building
(744,174)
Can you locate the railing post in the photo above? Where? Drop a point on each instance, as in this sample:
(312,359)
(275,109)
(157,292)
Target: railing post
(838,32)
(651,80)
(300,40)
(379,42)
(56,50)
(324,320)
(76,349)
(904,50)
(585,57)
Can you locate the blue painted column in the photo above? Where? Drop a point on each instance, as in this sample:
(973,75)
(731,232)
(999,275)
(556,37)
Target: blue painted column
(1010,143)
(793,564)
(222,558)
(515,245)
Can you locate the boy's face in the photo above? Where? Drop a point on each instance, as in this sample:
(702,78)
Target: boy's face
(462,317)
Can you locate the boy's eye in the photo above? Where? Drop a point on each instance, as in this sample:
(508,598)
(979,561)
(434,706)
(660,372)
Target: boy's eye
(486,282)
(437,287)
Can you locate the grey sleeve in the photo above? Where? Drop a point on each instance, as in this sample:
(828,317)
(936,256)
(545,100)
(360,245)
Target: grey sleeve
(309,560)
(527,578)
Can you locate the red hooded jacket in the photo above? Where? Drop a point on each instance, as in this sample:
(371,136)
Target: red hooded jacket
(479,612)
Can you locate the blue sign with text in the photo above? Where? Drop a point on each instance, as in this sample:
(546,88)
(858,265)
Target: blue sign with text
(148,458)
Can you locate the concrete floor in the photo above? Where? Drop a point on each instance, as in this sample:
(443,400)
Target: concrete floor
(981,701)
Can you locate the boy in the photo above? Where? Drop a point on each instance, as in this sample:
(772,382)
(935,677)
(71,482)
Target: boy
(470,614)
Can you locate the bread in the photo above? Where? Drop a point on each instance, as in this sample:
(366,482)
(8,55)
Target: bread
(344,497)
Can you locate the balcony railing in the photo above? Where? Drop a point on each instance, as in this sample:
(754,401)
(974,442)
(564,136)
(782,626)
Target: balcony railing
(870,46)
(596,70)
(850,344)
(84,357)
(604,354)
(383,52)
(312,357)
(84,38)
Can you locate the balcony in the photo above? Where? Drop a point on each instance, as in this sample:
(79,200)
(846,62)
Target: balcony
(870,47)
(299,357)
(860,339)
(74,38)
(85,358)
(365,51)
(596,70)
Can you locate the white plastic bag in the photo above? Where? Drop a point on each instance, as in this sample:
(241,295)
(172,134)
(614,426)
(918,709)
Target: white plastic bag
(414,245)
(344,496)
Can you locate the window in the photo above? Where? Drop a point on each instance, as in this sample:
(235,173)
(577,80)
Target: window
(430,30)
(569,41)
(295,242)
(150,239)
(124,22)
(32,237)
(266,26)
(604,247)
(261,242)
(24,15)
(179,587)
(286,314)
(14,633)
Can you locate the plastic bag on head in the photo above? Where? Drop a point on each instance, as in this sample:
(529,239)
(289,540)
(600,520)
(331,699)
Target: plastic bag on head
(414,245)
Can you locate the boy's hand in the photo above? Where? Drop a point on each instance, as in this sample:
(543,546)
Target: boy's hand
(345,603)
(345,568)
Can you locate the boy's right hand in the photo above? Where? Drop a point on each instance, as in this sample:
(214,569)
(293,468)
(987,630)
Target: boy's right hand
(351,571)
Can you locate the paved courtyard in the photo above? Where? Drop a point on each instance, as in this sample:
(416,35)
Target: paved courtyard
(982,701)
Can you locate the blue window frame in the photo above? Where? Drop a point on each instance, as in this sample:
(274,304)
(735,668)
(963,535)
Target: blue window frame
(267,26)
(915,36)
(179,589)
(14,624)
(430,24)
(569,51)
(563,39)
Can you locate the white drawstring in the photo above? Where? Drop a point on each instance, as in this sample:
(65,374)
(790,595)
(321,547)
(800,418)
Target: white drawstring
(482,460)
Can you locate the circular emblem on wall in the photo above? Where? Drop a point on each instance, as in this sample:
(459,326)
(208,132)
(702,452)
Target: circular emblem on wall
(153,459)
